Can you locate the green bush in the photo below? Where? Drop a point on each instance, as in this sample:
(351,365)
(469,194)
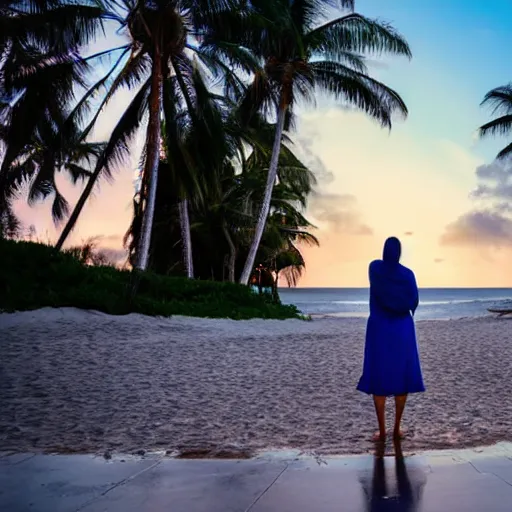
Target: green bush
(34,275)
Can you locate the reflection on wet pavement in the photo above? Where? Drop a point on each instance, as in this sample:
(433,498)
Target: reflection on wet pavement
(393,489)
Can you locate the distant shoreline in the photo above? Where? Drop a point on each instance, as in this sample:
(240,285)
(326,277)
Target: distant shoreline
(435,303)
(464,288)
(322,316)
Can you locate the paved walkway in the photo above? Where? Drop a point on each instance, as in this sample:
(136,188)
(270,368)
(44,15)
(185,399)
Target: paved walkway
(465,481)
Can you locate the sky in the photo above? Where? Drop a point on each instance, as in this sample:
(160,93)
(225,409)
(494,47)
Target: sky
(430,180)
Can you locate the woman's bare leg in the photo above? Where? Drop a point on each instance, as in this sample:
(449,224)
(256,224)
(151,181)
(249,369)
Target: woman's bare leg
(380,409)
(399,411)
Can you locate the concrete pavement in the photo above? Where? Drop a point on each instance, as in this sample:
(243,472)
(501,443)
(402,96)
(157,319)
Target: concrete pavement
(465,480)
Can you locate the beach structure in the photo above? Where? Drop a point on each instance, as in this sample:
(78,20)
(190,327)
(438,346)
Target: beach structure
(501,311)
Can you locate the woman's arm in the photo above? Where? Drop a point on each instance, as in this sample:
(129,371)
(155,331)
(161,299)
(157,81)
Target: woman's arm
(414,293)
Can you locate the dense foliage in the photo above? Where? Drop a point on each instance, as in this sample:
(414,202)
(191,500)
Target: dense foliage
(35,275)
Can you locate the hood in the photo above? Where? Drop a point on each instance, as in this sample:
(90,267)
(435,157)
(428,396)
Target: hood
(392,250)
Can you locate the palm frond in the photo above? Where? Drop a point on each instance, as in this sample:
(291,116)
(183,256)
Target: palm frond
(43,183)
(20,175)
(77,172)
(118,146)
(182,174)
(102,55)
(241,24)
(53,27)
(500,99)
(292,266)
(134,72)
(357,34)
(39,106)
(506,152)
(78,113)
(359,90)
(233,86)
(60,207)
(260,96)
(305,13)
(233,55)
(64,27)
(500,126)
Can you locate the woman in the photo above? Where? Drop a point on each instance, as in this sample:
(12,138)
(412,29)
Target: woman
(391,360)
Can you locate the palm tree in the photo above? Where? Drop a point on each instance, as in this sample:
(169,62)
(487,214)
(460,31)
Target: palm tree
(203,142)
(297,56)
(222,212)
(196,144)
(286,227)
(39,67)
(285,231)
(49,152)
(500,99)
(156,58)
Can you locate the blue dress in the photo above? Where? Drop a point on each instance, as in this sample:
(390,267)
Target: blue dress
(391,360)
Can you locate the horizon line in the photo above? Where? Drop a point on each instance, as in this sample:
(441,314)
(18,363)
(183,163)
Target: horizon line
(420,287)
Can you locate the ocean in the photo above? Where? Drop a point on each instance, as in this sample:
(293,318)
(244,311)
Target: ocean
(435,303)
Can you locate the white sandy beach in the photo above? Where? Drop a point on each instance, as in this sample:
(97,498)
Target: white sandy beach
(81,381)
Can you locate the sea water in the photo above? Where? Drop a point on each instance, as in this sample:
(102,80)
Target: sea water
(435,303)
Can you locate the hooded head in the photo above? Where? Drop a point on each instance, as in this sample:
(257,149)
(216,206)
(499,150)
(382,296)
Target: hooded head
(392,250)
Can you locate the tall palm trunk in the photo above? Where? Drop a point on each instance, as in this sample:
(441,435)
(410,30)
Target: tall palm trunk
(232,254)
(188,258)
(186,238)
(70,224)
(152,160)
(265,206)
(4,203)
(155,98)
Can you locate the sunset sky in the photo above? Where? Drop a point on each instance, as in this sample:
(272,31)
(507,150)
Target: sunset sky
(424,181)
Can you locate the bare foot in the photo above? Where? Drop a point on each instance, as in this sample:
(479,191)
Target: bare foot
(379,437)
(397,442)
(399,434)
(380,449)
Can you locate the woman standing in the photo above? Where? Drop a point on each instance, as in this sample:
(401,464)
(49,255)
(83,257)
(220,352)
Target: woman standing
(391,360)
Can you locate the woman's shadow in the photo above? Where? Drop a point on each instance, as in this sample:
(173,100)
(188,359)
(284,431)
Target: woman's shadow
(401,495)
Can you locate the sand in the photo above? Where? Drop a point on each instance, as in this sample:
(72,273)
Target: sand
(79,381)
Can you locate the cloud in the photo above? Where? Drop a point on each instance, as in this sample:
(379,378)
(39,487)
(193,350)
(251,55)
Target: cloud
(503,207)
(408,233)
(303,148)
(489,224)
(479,228)
(111,239)
(438,260)
(495,184)
(339,212)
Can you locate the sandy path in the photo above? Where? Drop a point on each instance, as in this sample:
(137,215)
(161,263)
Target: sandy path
(85,381)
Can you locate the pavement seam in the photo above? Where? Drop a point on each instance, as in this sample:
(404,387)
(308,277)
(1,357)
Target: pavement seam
(475,468)
(117,484)
(24,460)
(268,487)
(490,473)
